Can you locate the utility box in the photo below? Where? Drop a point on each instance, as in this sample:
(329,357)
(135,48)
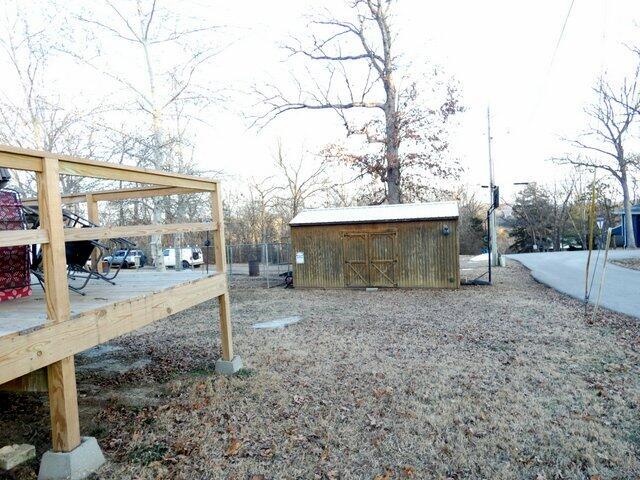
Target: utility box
(404,246)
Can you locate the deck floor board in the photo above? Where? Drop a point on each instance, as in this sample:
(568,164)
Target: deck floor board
(29,312)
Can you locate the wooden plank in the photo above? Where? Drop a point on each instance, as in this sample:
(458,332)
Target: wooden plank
(97,233)
(63,397)
(26,314)
(65,199)
(24,159)
(94,217)
(24,352)
(121,194)
(142,192)
(9,238)
(16,161)
(90,168)
(53,252)
(226,336)
(92,209)
(219,241)
(32,382)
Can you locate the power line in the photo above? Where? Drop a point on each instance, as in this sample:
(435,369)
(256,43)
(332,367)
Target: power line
(541,93)
(564,26)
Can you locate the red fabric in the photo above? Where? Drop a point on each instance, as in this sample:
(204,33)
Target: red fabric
(14,293)
(14,261)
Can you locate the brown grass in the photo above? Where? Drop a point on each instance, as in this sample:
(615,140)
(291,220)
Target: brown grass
(632,263)
(502,382)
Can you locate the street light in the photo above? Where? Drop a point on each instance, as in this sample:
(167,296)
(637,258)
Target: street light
(600,223)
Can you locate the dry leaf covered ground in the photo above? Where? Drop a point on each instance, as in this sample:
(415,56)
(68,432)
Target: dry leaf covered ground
(503,382)
(633,263)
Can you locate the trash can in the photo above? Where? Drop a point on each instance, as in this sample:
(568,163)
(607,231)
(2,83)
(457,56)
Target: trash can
(254,268)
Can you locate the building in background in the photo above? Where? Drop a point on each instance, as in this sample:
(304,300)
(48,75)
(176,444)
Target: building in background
(405,245)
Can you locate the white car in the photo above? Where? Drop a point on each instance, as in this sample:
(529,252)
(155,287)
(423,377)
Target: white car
(190,257)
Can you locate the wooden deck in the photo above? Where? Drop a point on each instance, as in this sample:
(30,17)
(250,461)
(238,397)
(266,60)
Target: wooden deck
(42,333)
(30,312)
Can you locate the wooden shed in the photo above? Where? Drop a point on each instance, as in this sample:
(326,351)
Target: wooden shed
(407,245)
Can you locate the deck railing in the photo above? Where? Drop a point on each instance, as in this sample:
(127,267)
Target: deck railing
(54,345)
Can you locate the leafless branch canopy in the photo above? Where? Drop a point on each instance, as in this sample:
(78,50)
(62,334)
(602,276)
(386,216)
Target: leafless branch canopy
(336,45)
(613,114)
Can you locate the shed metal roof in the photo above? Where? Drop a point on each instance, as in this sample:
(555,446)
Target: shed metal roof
(405,212)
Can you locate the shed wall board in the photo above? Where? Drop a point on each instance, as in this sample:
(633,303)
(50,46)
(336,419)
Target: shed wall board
(425,258)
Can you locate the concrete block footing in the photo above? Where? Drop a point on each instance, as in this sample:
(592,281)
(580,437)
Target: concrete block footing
(13,455)
(77,464)
(229,367)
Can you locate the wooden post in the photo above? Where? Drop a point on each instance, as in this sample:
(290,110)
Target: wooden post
(94,217)
(63,397)
(221,268)
(35,381)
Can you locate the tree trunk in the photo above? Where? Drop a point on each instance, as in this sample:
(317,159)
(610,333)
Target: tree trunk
(628,218)
(156,123)
(394,195)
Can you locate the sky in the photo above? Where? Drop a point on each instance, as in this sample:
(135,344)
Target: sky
(500,52)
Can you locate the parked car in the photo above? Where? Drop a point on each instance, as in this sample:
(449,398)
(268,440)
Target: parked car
(190,256)
(134,258)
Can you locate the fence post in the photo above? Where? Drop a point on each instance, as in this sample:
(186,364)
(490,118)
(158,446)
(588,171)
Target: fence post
(266,255)
(279,257)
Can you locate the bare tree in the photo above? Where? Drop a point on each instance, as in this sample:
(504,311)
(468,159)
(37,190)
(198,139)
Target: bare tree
(301,183)
(170,95)
(560,197)
(471,222)
(613,115)
(360,66)
(32,114)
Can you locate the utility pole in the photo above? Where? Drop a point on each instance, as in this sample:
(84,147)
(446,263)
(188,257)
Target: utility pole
(493,237)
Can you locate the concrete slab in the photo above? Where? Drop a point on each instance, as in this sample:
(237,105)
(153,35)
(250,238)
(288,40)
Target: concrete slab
(13,455)
(75,465)
(279,323)
(226,367)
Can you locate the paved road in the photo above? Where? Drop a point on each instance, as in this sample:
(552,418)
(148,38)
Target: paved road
(565,272)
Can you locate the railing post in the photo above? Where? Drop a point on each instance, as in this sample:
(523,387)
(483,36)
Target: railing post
(61,378)
(94,217)
(221,268)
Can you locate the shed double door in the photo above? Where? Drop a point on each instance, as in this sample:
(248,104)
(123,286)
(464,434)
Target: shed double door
(370,259)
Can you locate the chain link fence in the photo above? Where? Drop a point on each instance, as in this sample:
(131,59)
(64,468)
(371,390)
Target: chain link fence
(265,263)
